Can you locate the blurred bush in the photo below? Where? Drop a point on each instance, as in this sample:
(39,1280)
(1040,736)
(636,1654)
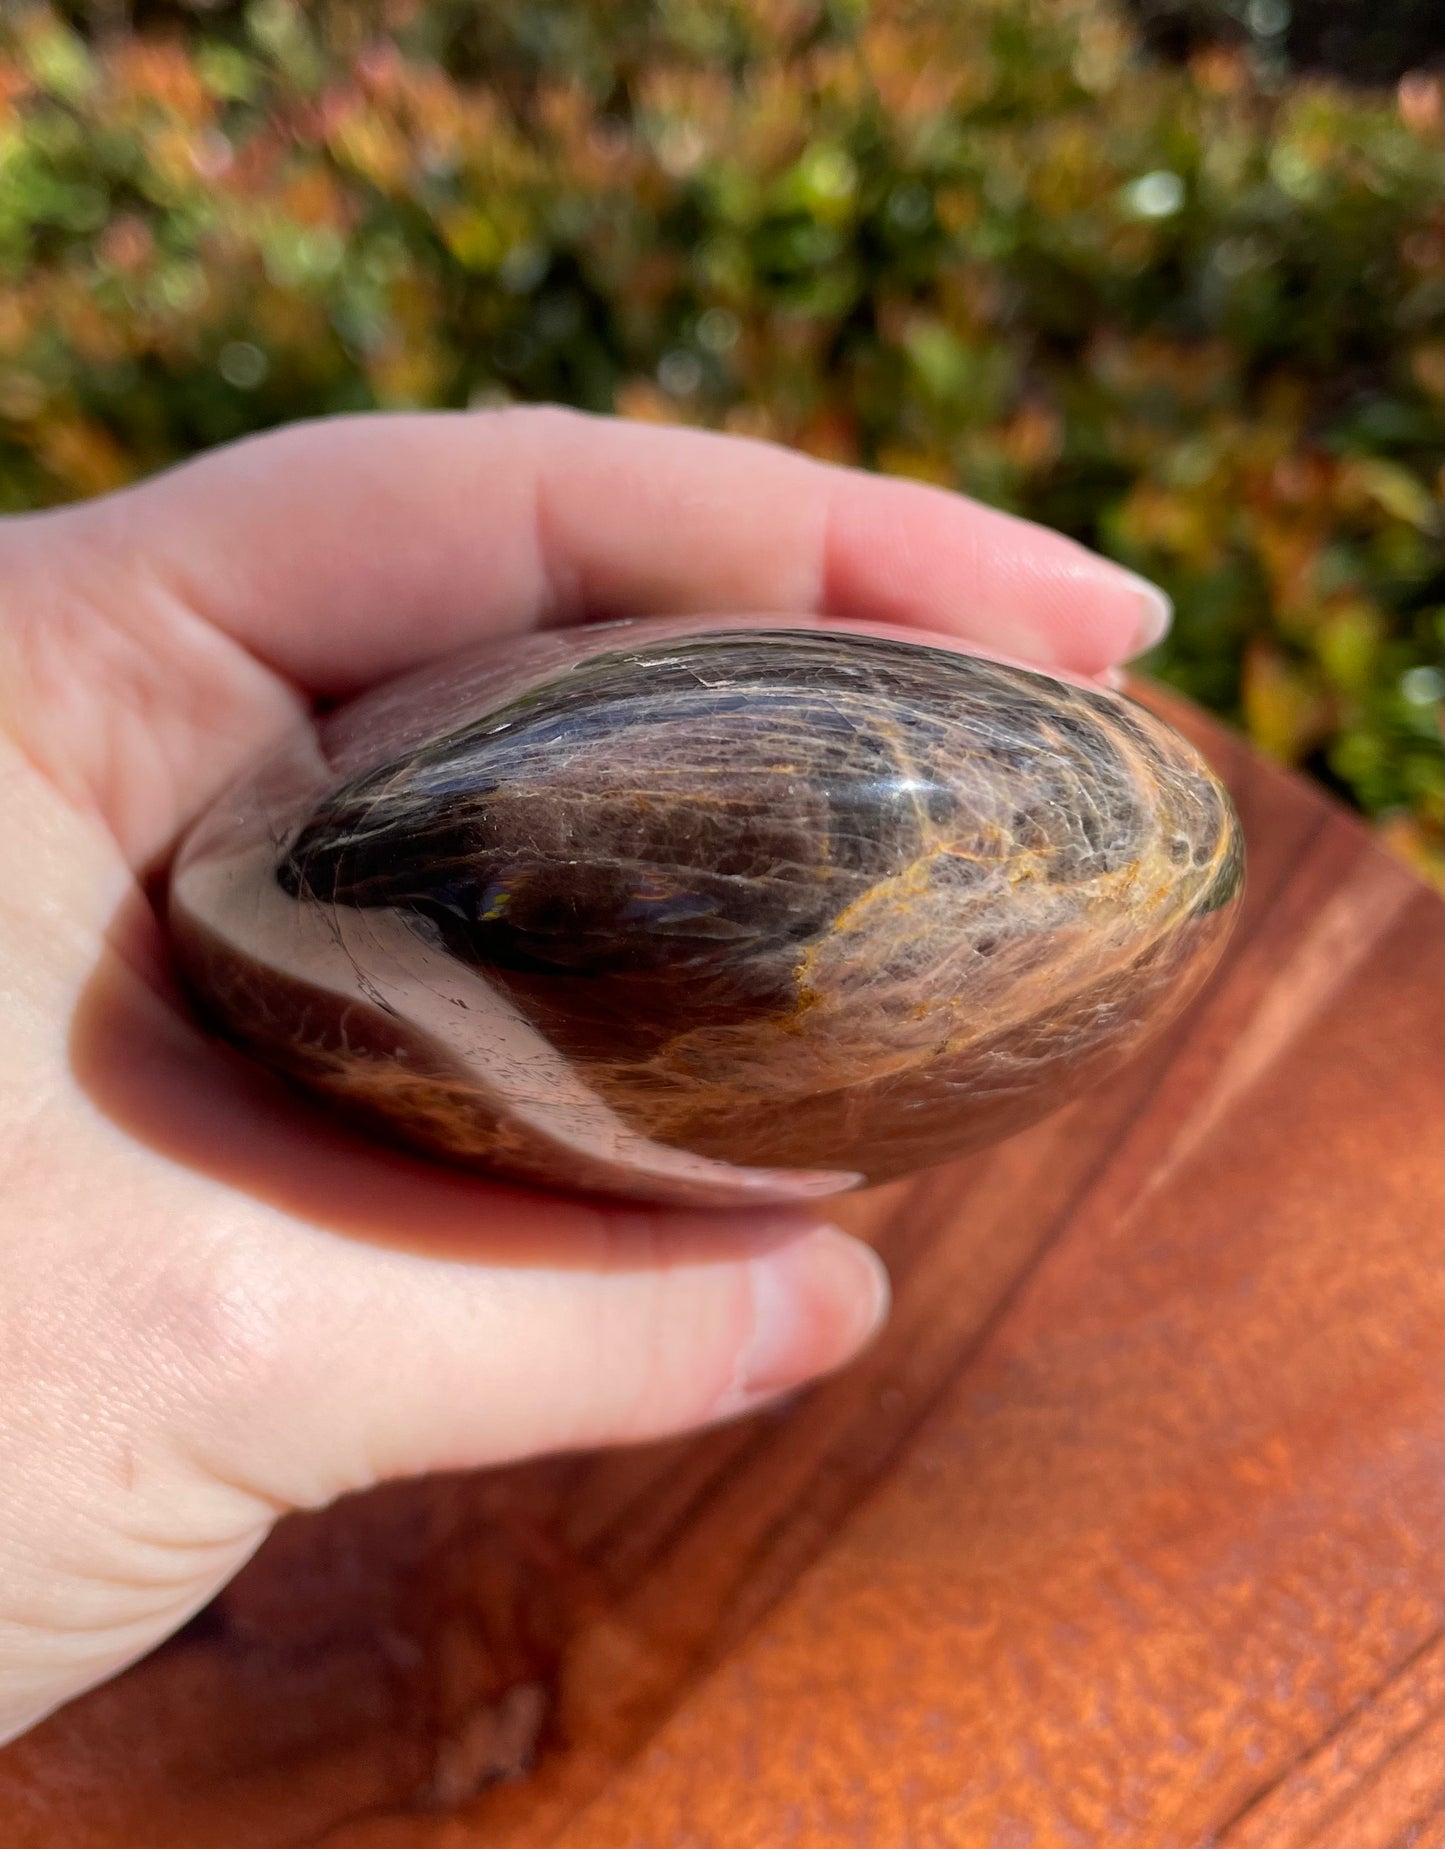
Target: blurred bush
(1192,315)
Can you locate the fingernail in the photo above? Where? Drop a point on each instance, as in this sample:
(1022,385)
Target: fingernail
(1155,618)
(795,1184)
(816,1302)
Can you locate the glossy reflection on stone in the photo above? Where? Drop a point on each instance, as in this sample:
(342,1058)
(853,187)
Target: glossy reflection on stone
(706,912)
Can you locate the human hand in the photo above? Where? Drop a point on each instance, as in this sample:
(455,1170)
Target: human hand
(217,1307)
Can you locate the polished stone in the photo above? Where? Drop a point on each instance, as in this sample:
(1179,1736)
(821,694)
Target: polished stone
(707,911)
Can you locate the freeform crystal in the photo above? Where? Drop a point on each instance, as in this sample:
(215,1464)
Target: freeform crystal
(709,911)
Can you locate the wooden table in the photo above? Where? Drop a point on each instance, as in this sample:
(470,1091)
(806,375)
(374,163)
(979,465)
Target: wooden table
(1127,1533)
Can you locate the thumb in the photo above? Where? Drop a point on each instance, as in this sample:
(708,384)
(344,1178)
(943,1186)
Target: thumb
(349,1365)
(353,1314)
(625,1325)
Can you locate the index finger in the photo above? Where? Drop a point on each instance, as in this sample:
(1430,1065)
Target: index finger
(344,550)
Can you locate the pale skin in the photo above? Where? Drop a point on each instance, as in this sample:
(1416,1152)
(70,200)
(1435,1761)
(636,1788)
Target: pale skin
(200,1331)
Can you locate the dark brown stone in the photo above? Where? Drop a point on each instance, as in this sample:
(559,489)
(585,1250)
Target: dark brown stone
(704,911)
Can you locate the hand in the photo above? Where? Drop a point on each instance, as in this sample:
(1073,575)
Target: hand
(216,1307)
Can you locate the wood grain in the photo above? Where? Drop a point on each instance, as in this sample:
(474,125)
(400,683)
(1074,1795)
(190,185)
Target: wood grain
(1128,1532)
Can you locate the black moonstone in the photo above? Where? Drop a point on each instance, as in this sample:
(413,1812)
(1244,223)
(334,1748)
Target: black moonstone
(709,910)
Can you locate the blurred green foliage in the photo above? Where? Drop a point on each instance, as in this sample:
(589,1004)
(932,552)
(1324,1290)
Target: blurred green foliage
(1192,315)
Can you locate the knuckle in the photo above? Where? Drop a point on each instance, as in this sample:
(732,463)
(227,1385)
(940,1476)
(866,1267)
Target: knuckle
(676,1357)
(210,1332)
